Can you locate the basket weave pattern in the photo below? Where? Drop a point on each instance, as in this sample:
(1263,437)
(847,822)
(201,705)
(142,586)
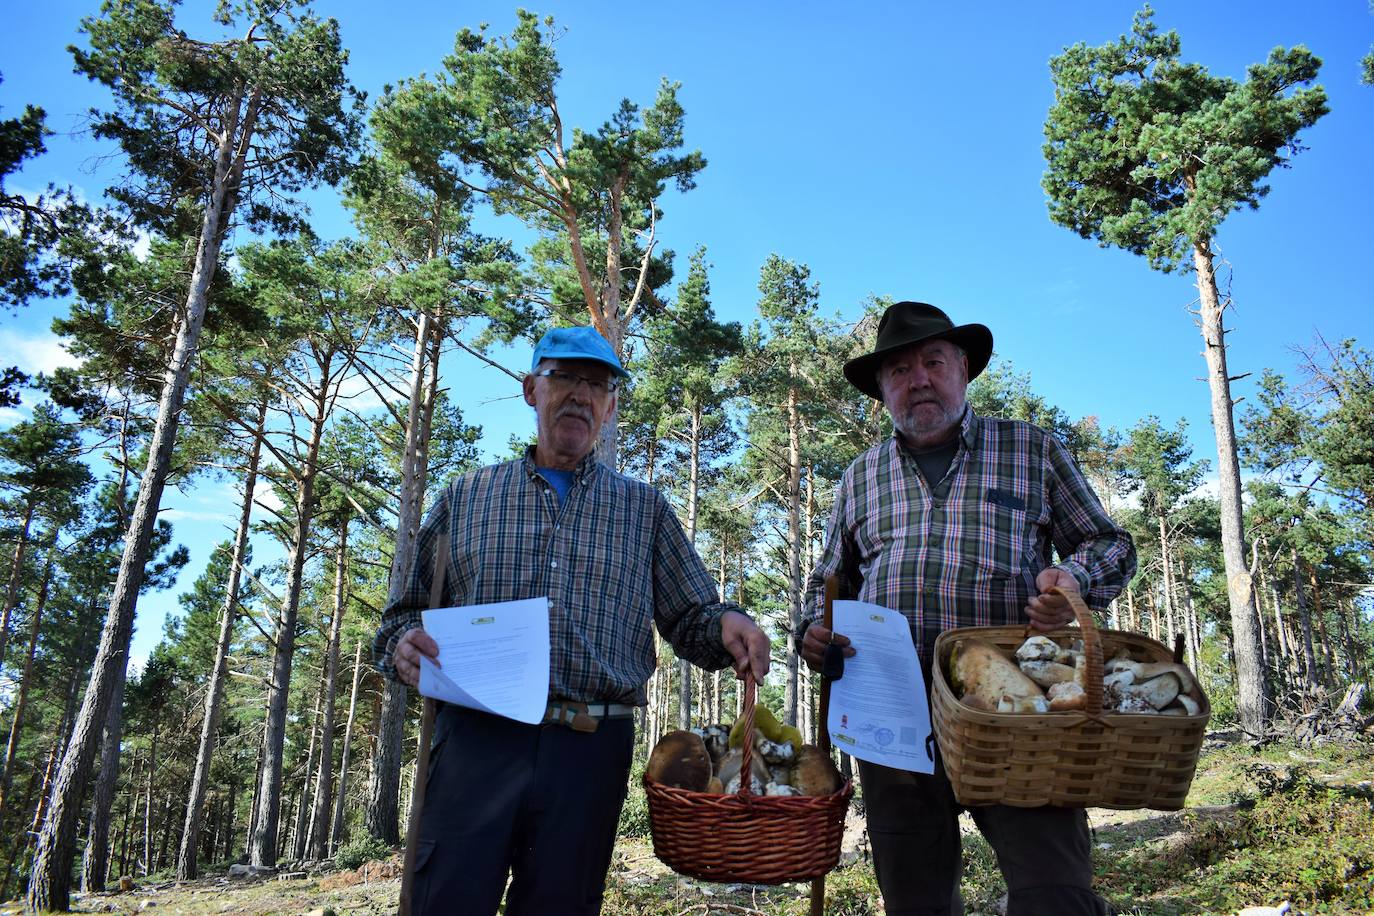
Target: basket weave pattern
(744,837)
(1066,759)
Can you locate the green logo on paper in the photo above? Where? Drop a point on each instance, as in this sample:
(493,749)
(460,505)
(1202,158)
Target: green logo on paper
(876,618)
(477,621)
(845,738)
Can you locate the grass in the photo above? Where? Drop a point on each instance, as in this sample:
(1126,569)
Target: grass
(1262,826)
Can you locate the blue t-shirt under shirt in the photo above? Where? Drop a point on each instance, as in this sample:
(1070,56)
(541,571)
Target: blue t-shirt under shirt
(560,480)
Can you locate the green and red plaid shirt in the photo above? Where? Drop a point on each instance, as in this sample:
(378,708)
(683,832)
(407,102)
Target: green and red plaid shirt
(966,552)
(612,559)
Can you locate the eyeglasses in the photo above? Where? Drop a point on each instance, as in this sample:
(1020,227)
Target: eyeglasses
(566,381)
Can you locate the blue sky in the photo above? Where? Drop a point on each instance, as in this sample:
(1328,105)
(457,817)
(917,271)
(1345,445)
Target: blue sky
(892,147)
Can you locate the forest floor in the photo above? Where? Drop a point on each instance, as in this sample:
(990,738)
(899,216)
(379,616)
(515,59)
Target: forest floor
(1262,826)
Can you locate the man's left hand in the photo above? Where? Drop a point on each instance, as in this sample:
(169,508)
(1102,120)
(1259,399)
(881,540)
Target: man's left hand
(1050,612)
(746,643)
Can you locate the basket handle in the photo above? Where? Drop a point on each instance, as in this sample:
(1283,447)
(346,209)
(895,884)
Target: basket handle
(1092,649)
(746,763)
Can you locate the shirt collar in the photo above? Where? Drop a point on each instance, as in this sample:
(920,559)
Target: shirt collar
(968,428)
(585,470)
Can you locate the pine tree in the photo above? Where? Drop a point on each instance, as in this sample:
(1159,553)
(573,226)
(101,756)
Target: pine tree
(1150,154)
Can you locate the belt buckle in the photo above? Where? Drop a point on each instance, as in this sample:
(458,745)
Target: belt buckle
(580,721)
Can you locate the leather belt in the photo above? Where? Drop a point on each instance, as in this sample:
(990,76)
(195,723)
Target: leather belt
(583,717)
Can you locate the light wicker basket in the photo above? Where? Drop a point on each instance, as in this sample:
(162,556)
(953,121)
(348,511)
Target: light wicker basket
(1066,759)
(744,837)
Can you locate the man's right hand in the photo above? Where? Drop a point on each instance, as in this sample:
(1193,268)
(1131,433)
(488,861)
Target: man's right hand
(814,643)
(414,643)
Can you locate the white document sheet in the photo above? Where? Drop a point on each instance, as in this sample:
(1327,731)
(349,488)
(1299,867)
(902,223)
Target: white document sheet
(878,709)
(492,657)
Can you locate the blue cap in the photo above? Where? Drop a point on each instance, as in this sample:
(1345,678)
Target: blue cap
(577,343)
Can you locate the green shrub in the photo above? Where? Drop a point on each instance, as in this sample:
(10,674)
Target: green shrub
(634,816)
(1215,674)
(1291,837)
(365,848)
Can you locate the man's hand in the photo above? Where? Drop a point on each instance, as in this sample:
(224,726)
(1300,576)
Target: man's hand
(747,643)
(406,658)
(814,643)
(1050,612)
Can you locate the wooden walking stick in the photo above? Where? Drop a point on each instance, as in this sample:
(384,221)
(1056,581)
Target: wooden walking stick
(832,590)
(417,791)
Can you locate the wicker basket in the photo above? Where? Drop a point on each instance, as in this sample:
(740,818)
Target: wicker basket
(1066,759)
(744,837)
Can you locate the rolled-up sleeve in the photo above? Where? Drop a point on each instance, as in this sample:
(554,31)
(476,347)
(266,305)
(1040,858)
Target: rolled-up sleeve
(687,606)
(837,556)
(403,612)
(1092,548)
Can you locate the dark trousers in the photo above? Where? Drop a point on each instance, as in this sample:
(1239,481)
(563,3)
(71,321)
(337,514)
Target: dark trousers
(1044,853)
(539,803)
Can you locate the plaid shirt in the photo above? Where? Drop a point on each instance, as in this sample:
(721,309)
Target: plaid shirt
(966,552)
(612,559)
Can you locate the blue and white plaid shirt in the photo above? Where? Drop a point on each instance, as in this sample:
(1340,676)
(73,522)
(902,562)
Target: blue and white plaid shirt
(612,559)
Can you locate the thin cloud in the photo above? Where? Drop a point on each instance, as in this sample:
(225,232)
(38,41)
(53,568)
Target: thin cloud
(34,353)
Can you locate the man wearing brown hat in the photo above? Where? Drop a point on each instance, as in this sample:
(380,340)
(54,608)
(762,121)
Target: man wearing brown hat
(953,521)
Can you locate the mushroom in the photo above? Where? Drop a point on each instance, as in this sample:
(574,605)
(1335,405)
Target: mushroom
(730,766)
(815,773)
(1156,693)
(1038,648)
(680,759)
(1010,703)
(775,752)
(1066,696)
(779,788)
(1147,671)
(716,738)
(1113,682)
(1047,673)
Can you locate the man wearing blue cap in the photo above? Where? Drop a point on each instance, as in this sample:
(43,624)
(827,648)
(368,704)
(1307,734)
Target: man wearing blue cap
(540,803)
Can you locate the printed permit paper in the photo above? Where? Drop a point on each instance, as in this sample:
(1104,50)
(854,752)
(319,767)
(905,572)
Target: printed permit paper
(492,657)
(878,709)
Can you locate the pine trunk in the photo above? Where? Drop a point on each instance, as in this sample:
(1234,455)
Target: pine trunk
(793,547)
(1328,657)
(148,806)
(380,818)
(1309,656)
(21,700)
(301,828)
(1253,697)
(336,833)
(16,573)
(684,667)
(95,861)
(1166,571)
(214,696)
(324,776)
(262,845)
(51,878)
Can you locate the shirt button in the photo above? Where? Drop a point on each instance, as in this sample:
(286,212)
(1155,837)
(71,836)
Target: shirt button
(553,564)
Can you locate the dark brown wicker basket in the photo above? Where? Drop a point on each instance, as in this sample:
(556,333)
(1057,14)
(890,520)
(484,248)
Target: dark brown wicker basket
(744,837)
(1066,759)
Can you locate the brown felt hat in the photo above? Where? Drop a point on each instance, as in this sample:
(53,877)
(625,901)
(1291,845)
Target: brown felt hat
(907,323)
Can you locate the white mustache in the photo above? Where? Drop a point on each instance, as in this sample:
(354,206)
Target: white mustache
(574,412)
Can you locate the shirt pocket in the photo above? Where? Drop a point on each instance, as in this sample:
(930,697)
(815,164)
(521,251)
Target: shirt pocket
(999,543)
